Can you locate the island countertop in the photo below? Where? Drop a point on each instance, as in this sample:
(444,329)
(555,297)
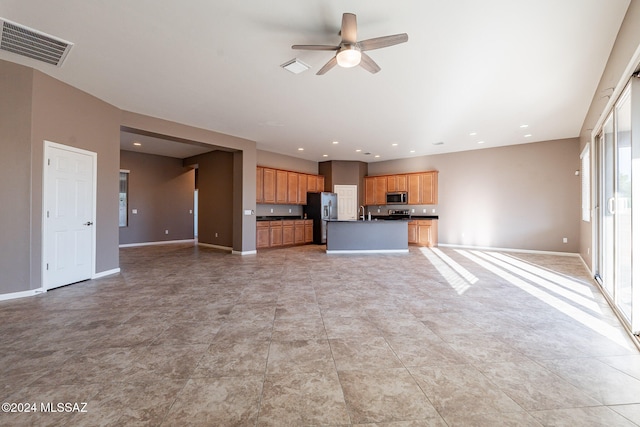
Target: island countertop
(367,236)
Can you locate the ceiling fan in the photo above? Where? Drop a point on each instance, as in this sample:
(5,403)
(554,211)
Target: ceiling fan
(350,52)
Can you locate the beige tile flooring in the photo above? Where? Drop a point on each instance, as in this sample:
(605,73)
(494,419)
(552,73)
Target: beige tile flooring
(296,337)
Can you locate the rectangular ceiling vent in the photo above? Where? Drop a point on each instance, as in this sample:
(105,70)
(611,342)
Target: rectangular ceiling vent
(25,41)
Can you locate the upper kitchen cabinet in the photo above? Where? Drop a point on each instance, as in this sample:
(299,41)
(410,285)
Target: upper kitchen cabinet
(282,187)
(268,190)
(396,183)
(275,186)
(423,188)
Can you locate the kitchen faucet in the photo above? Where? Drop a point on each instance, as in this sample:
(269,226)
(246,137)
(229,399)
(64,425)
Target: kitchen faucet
(361,209)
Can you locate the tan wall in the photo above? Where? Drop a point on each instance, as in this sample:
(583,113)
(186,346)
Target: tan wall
(216,197)
(161,190)
(15,178)
(281,161)
(621,64)
(521,197)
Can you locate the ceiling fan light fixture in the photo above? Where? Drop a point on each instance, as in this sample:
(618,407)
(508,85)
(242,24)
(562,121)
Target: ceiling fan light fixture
(348,56)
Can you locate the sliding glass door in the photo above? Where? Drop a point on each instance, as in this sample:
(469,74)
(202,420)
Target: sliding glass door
(614,209)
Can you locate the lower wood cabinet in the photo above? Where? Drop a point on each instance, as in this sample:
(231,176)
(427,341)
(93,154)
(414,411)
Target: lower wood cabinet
(423,232)
(273,234)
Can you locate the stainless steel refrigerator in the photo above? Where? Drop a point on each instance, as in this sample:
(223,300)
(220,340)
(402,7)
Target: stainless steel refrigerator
(321,207)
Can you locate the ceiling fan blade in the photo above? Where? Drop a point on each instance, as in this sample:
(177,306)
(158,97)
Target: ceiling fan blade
(349,28)
(314,47)
(369,64)
(329,65)
(385,41)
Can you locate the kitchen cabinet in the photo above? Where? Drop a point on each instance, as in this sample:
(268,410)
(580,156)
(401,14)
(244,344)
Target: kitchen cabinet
(423,188)
(312,183)
(423,232)
(298,232)
(396,183)
(275,233)
(262,235)
(275,186)
(302,189)
(259,185)
(308,231)
(268,185)
(281,186)
(292,188)
(375,190)
(288,237)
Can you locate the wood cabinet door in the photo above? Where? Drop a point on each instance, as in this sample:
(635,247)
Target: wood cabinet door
(298,232)
(427,233)
(369,191)
(413,231)
(319,183)
(288,237)
(312,183)
(262,236)
(269,185)
(281,186)
(292,188)
(392,184)
(429,190)
(259,186)
(401,183)
(415,196)
(308,231)
(302,189)
(275,233)
(381,190)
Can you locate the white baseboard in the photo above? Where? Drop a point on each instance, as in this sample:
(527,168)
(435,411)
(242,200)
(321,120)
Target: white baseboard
(161,242)
(370,251)
(106,273)
(209,245)
(22,294)
(525,251)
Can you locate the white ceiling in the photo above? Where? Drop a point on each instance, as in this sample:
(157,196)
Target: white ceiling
(487,67)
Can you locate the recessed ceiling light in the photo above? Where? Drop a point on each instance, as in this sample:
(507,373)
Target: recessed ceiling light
(300,149)
(480,142)
(524,126)
(358,150)
(528,135)
(377,155)
(395,144)
(137,144)
(412,151)
(336,142)
(325,155)
(473,133)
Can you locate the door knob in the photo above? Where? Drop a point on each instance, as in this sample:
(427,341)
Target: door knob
(88,223)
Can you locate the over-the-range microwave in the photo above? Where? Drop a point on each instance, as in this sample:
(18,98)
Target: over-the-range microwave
(397,198)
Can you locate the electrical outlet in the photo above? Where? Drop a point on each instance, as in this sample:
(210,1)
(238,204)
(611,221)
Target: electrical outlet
(271,210)
(413,211)
(424,211)
(166,231)
(433,211)
(289,210)
(134,211)
(216,234)
(190,211)
(565,240)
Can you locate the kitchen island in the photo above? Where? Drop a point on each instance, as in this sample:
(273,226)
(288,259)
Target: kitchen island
(367,236)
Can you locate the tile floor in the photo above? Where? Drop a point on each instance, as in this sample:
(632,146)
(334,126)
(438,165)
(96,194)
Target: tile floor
(295,337)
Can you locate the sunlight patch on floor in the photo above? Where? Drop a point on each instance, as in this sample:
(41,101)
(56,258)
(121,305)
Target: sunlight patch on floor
(456,275)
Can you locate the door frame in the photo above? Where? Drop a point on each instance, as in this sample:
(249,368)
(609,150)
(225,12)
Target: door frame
(47,146)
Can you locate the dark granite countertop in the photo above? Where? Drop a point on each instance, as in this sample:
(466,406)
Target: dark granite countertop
(278,218)
(392,218)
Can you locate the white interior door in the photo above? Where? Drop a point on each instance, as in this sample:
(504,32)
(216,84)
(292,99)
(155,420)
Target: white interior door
(347,201)
(69,215)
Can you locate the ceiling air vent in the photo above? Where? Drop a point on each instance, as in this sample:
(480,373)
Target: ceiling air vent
(25,41)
